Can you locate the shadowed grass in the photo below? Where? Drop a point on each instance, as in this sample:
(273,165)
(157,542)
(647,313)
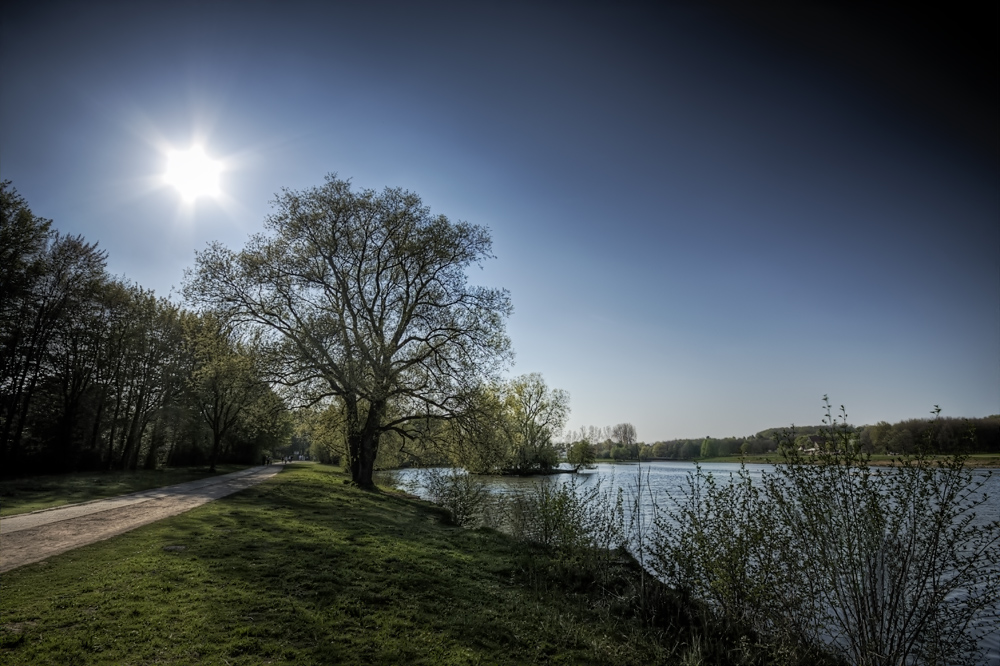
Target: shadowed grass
(307,569)
(45,492)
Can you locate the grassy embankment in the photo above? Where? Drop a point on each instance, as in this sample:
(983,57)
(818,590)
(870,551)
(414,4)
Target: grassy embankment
(46,492)
(307,569)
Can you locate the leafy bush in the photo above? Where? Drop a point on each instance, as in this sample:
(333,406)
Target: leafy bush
(464,496)
(880,565)
(567,516)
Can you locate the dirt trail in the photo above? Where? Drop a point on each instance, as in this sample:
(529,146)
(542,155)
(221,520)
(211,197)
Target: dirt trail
(32,537)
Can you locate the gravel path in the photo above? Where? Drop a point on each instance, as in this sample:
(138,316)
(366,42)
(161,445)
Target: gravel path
(32,537)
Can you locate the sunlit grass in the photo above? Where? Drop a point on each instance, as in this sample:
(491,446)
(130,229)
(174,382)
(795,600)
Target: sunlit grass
(306,569)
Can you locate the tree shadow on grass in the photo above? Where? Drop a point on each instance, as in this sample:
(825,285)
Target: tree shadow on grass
(305,568)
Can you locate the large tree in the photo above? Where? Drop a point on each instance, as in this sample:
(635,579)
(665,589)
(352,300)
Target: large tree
(624,435)
(536,415)
(365,299)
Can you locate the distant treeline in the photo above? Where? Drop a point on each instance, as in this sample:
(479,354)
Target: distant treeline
(97,373)
(938,435)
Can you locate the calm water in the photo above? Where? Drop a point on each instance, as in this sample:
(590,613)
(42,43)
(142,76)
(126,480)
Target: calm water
(669,479)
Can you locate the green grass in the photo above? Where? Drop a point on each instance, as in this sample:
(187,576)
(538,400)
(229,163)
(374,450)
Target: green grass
(307,569)
(45,492)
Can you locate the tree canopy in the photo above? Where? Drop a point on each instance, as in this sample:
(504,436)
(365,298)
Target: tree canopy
(364,300)
(98,373)
(508,427)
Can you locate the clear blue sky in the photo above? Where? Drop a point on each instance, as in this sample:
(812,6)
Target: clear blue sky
(707,219)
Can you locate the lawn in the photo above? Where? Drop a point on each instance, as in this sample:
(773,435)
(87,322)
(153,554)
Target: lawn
(307,569)
(46,492)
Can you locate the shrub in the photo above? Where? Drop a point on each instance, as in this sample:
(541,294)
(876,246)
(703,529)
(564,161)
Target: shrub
(881,565)
(567,516)
(464,496)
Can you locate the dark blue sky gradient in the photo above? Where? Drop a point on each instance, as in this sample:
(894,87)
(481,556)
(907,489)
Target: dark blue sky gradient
(705,223)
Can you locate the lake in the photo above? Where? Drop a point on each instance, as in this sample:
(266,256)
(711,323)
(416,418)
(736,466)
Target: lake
(669,479)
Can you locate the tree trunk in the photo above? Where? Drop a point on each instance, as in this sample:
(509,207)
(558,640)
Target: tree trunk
(95,434)
(362,443)
(216,440)
(155,442)
(363,460)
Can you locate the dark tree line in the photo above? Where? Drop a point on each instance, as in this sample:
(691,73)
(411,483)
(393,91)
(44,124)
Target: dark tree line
(931,436)
(98,373)
(938,435)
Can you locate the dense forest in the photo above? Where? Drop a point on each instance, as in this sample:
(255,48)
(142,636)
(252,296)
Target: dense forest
(99,373)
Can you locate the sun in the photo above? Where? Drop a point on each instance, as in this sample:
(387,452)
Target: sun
(193,173)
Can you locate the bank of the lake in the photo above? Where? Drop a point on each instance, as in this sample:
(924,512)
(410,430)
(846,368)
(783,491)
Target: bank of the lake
(657,483)
(307,569)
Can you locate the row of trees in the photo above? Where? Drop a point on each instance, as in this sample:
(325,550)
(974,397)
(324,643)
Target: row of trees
(938,435)
(619,443)
(353,306)
(931,436)
(608,442)
(97,373)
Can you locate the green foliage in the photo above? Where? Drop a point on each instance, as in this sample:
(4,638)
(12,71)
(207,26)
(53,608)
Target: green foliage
(508,427)
(621,452)
(226,383)
(307,569)
(939,435)
(319,432)
(97,373)
(537,413)
(365,301)
(581,455)
(566,516)
(883,565)
(464,496)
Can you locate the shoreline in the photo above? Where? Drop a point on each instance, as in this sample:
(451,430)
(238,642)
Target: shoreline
(986,461)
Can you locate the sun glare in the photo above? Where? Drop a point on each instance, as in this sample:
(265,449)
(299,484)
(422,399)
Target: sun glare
(193,173)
